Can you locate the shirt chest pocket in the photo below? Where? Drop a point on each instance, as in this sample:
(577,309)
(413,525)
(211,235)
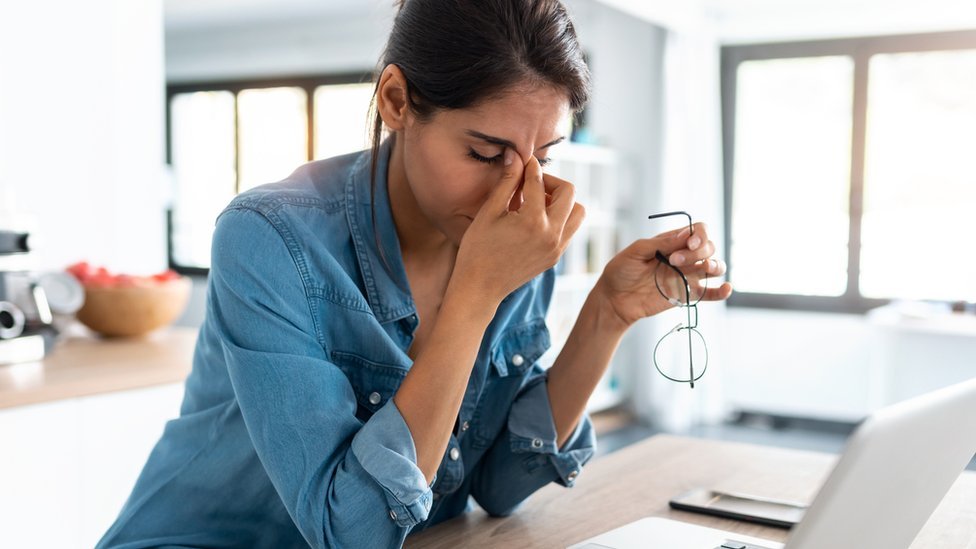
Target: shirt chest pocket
(373,382)
(520,347)
(514,352)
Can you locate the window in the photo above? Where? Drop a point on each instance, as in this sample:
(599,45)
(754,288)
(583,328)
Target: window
(849,173)
(226,138)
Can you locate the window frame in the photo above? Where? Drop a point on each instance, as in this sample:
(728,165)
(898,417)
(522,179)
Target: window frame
(308,83)
(860,49)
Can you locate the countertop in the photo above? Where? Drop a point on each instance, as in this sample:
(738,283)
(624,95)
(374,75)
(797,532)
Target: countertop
(82,364)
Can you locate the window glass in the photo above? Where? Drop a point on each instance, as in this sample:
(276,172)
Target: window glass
(791,180)
(203,158)
(273,134)
(341,114)
(920,177)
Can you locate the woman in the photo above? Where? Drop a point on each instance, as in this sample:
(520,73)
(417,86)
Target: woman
(368,358)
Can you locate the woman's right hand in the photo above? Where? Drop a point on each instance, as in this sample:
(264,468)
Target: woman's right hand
(504,248)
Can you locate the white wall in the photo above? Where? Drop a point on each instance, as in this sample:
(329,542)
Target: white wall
(627,113)
(322,44)
(749,21)
(81,129)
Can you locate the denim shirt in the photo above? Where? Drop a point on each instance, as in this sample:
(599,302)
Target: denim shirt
(288,434)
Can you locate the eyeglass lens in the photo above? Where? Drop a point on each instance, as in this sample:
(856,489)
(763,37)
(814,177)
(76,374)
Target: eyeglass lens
(681,355)
(681,290)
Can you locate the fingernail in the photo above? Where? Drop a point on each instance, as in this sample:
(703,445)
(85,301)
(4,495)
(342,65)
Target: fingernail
(682,234)
(676,259)
(712,265)
(693,242)
(509,157)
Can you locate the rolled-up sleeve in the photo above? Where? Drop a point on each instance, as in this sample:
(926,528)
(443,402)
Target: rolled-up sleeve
(345,483)
(525,458)
(384,448)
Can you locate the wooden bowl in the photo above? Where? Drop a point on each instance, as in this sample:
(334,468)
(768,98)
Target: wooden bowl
(126,311)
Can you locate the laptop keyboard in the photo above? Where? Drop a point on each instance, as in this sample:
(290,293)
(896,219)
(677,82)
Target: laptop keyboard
(729,544)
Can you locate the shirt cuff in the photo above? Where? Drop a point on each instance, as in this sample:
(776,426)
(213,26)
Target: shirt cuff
(532,429)
(385,449)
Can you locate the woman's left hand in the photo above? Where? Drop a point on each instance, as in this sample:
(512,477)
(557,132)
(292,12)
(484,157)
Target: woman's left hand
(627,283)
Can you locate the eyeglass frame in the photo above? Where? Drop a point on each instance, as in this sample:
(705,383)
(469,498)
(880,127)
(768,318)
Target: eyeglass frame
(691,327)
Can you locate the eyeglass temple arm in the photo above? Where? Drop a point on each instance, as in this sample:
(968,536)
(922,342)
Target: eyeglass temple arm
(669,214)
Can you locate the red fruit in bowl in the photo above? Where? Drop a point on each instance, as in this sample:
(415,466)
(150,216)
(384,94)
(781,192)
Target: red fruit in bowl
(81,270)
(125,281)
(127,304)
(100,279)
(166,276)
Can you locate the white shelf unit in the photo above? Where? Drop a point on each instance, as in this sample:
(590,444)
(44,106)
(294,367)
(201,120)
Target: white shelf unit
(601,178)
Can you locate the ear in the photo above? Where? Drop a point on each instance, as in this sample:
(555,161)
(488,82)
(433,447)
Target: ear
(391,98)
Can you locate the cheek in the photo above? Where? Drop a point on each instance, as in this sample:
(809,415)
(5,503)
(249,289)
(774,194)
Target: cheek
(444,183)
(449,188)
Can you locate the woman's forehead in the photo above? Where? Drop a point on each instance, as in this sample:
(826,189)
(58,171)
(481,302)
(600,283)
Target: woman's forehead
(519,119)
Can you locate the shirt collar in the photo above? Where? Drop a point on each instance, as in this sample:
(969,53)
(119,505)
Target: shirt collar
(372,229)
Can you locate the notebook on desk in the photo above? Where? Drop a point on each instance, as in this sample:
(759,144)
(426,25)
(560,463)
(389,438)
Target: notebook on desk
(896,468)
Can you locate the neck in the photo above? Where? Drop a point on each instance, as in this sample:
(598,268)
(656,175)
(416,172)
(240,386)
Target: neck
(419,239)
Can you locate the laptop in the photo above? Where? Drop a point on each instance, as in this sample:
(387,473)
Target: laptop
(896,468)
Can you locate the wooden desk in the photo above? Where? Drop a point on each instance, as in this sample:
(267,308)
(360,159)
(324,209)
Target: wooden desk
(83,365)
(638,481)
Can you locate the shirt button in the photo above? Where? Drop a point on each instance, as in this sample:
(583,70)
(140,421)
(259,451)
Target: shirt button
(455,454)
(572,476)
(518,359)
(537,443)
(374,398)
(465,426)
(393,514)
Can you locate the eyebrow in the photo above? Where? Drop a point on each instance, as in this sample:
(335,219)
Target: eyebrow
(506,142)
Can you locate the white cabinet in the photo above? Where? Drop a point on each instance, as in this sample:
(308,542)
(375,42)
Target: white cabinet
(917,348)
(40,476)
(67,467)
(843,367)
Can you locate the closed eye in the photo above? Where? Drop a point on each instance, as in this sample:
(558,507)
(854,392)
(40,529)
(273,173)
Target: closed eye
(492,159)
(485,159)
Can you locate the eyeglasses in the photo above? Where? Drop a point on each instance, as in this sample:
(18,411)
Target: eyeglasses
(682,287)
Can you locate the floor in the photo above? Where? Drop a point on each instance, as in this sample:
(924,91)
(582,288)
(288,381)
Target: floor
(617,429)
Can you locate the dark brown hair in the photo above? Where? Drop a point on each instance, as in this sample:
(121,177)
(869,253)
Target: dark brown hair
(456,54)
